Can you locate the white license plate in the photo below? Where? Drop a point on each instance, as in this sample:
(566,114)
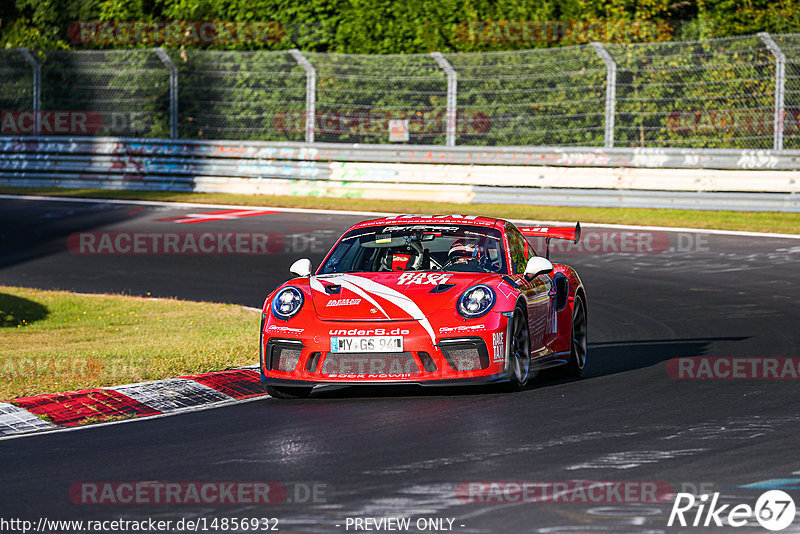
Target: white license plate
(367,344)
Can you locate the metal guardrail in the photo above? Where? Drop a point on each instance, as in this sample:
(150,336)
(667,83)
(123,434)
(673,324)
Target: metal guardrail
(747,179)
(210,151)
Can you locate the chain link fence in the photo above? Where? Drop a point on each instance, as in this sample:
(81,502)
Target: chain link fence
(239,95)
(741,92)
(790,46)
(104,92)
(549,96)
(713,94)
(16,81)
(357,95)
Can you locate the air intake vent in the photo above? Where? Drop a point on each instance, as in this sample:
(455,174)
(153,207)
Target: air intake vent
(441,288)
(283,355)
(465,354)
(427,361)
(313,362)
(562,291)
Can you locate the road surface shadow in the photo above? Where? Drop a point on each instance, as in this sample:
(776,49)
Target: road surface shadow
(603,359)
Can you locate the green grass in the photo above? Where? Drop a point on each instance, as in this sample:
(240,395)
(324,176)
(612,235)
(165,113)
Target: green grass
(54,341)
(779,222)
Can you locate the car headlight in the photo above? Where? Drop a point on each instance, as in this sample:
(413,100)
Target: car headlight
(476,301)
(287,302)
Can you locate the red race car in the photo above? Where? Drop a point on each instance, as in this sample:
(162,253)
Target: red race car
(427,300)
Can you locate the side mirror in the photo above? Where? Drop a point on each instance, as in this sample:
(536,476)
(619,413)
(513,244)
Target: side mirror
(536,266)
(301,267)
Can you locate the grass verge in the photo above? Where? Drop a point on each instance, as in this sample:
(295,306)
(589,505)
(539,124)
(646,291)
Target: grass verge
(54,341)
(779,222)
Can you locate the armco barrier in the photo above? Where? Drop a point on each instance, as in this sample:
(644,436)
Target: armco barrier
(634,177)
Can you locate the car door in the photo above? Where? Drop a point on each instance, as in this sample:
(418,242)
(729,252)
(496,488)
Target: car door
(535,291)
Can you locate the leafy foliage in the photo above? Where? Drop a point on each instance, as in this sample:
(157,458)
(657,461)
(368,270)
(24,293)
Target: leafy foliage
(387,27)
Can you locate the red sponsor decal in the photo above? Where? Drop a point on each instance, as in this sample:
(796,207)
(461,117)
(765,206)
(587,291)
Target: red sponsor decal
(733,368)
(568,491)
(51,122)
(112,243)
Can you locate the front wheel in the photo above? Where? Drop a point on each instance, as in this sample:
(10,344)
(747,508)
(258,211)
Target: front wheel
(287,393)
(519,353)
(578,345)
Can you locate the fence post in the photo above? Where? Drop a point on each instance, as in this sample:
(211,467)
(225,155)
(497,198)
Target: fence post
(37,86)
(311,91)
(173,91)
(452,92)
(611,91)
(780,79)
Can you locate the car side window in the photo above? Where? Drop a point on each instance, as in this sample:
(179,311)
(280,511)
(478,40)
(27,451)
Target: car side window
(516,243)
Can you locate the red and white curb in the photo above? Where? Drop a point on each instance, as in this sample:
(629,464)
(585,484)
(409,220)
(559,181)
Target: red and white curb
(75,408)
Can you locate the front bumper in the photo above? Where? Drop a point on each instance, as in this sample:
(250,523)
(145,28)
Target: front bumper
(474,381)
(466,354)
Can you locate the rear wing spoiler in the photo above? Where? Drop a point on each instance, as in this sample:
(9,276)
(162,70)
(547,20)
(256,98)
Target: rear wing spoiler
(552,232)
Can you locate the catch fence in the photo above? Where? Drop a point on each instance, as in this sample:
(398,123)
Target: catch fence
(739,93)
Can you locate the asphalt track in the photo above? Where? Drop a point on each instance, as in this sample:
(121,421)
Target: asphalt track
(405,451)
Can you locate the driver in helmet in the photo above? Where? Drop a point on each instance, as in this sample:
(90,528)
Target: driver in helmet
(462,251)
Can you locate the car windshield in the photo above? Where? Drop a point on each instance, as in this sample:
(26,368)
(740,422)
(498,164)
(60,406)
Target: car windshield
(450,248)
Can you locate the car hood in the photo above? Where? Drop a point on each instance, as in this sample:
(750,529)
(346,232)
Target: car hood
(395,296)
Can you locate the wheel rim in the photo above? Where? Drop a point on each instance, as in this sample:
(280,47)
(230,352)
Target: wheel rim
(520,350)
(579,334)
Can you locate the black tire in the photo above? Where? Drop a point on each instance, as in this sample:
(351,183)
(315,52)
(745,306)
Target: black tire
(519,352)
(578,345)
(287,393)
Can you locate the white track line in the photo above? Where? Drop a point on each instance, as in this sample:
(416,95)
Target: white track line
(190,205)
(375,214)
